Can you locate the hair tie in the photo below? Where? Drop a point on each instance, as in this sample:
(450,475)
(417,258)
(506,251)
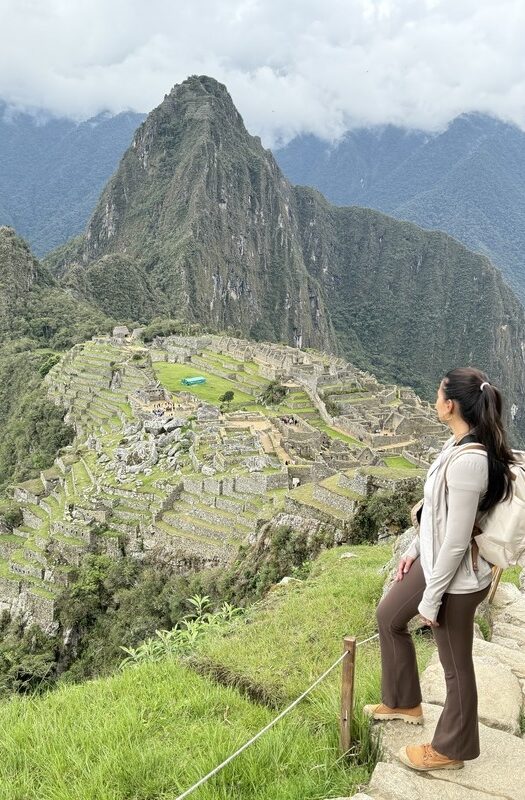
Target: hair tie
(485,383)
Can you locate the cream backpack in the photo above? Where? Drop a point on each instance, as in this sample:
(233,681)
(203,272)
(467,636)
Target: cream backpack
(502,538)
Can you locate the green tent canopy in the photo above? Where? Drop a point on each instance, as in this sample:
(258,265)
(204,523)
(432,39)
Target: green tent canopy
(193,381)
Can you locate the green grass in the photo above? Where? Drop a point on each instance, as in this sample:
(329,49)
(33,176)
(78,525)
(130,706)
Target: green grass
(35,486)
(399,461)
(292,636)
(395,473)
(154,730)
(170,376)
(322,426)
(305,494)
(512,575)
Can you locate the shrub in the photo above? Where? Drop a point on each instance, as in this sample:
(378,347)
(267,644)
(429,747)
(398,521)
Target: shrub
(274,393)
(390,510)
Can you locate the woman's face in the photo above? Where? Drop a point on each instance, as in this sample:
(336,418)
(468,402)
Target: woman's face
(443,406)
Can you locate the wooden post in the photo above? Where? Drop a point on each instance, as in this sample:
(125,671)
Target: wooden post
(347,694)
(496,575)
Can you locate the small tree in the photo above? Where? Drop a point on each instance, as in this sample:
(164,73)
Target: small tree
(227,397)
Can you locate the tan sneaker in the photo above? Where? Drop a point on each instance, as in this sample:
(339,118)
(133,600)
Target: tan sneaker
(414,716)
(423,757)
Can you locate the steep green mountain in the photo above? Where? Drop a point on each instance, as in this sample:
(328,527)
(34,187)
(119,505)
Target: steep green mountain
(204,209)
(468,181)
(52,171)
(223,238)
(38,319)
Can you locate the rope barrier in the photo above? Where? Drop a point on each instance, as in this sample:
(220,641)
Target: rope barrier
(270,724)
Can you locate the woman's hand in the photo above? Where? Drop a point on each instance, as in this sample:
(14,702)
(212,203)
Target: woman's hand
(428,622)
(404,566)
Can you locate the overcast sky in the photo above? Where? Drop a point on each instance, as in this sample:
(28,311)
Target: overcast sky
(291,66)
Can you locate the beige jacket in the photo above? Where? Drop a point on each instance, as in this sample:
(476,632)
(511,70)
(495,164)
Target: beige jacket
(455,503)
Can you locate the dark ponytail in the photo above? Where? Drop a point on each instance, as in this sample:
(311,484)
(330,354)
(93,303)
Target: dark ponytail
(482,409)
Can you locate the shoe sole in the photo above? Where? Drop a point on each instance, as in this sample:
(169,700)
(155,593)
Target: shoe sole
(404,717)
(402,756)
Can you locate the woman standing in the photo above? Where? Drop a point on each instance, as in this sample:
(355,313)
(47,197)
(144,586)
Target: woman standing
(442,576)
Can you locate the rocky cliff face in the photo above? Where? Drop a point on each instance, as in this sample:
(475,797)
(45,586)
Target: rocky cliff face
(19,269)
(202,214)
(413,303)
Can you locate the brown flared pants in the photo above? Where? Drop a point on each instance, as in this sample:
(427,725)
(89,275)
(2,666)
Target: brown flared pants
(456,734)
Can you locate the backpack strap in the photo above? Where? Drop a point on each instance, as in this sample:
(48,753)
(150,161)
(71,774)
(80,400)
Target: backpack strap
(480,448)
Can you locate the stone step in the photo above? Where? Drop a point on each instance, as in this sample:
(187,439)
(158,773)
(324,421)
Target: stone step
(498,772)
(509,632)
(396,782)
(494,679)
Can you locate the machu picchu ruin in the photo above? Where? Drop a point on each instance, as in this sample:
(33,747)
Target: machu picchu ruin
(172,472)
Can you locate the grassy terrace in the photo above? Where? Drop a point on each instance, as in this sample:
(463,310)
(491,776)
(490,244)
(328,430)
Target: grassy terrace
(399,462)
(151,733)
(285,641)
(153,730)
(170,375)
(322,426)
(395,472)
(305,494)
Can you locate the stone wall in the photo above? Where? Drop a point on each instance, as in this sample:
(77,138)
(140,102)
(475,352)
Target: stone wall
(26,605)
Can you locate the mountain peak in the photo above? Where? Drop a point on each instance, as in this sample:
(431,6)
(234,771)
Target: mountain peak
(201,85)
(199,99)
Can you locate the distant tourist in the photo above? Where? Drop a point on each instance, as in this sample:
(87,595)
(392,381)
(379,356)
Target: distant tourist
(443,577)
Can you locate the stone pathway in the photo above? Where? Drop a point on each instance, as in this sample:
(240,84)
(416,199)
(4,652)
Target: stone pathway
(499,772)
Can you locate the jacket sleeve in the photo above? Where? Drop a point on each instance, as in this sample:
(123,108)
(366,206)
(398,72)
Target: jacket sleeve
(467,480)
(413,549)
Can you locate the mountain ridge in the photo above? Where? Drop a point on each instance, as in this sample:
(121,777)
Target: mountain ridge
(223,237)
(466,181)
(52,171)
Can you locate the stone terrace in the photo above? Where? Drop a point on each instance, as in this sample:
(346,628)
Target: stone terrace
(161,474)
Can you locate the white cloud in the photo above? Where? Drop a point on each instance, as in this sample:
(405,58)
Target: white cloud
(302,66)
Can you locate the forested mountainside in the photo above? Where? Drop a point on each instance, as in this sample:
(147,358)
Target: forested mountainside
(468,180)
(52,171)
(200,222)
(38,321)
